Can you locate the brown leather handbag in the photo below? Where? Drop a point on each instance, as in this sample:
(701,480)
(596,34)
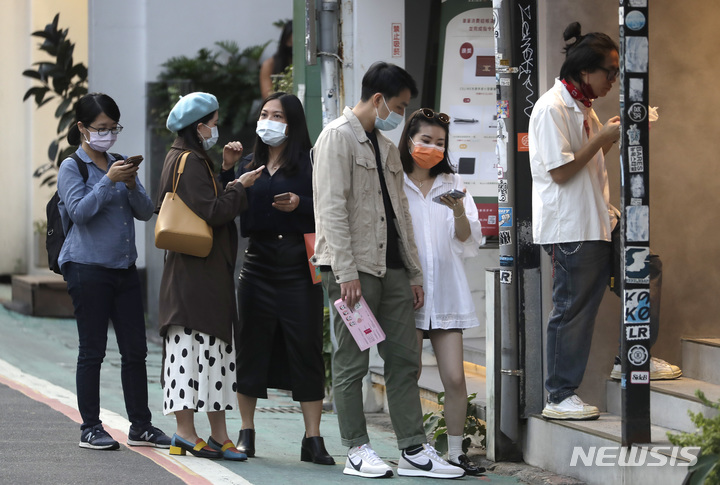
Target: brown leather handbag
(178,228)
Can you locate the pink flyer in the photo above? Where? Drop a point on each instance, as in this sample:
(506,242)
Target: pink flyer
(362,324)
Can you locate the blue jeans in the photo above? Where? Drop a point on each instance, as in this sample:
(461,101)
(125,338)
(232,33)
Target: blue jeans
(99,295)
(581,271)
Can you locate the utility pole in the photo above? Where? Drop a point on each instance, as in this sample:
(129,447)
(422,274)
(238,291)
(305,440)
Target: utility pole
(516,73)
(635,235)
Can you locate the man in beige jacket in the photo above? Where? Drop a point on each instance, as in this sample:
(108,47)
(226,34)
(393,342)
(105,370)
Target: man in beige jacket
(365,248)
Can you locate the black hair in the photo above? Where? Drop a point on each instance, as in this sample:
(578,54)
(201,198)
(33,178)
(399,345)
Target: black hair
(192,140)
(298,139)
(283,55)
(87,109)
(388,79)
(411,129)
(586,53)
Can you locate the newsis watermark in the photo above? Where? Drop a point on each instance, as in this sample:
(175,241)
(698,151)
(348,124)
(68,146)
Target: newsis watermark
(659,455)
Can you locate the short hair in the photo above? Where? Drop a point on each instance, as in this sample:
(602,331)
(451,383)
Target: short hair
(388,79)
(586,53)
(416,120)
(298,138)
(87,109)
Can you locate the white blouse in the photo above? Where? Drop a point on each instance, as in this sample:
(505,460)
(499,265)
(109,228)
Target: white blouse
(448,303)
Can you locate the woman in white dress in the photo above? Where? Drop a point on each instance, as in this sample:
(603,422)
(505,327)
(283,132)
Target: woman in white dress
(446,230)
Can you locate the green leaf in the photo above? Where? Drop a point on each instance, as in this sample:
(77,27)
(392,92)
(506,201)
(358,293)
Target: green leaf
(466,444)
(45,101)
(35,91)
(63,107)
(699,471)
(66,120)
(52,150)
(32,74)
(441,444)
(49,180)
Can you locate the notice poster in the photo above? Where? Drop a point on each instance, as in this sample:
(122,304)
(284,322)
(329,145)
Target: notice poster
(468,93)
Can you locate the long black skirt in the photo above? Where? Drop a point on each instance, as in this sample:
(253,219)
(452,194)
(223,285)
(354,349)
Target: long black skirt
(279,345)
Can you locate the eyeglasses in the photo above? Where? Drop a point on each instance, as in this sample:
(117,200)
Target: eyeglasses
(104,132)
(612,74)
(430,114)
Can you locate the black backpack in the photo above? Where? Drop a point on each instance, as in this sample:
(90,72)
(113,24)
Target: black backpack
(55,232)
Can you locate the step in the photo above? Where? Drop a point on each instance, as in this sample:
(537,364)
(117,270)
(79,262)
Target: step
(701,359)
(431,385)
(474,350)
(550,444)
(40,296)
(670,401)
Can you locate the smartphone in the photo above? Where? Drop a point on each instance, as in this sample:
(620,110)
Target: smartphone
(285,196)
(135,160)
(455,194)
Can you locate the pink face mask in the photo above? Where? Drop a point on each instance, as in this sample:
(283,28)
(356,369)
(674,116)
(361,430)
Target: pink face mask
(101,143)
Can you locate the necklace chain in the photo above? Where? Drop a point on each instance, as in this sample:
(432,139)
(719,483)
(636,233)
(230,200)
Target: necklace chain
(419,181)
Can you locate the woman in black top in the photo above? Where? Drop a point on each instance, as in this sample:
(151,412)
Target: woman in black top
(279,344)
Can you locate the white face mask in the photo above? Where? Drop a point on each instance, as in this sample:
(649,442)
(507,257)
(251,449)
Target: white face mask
(100,143)
(390,123)
(210,142)
(271,132)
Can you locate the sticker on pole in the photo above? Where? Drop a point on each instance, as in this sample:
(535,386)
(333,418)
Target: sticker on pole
(638,355)
(639,377)
(506,277)
(505,217)
(638,222)
(637,306)
(637,265)
(637,332)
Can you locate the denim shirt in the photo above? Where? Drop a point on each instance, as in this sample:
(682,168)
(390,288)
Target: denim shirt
(101,212)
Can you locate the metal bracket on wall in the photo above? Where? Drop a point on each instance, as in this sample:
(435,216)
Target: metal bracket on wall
(516,372)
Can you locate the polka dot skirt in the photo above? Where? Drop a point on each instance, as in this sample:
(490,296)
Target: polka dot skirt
(199,372)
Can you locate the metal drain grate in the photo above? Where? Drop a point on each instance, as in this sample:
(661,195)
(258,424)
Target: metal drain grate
(279,409)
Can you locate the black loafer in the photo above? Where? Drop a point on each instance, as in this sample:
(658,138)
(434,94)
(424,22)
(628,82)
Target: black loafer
(467,465)
(246,442)
(313,449)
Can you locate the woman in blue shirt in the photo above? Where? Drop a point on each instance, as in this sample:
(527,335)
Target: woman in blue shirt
(279,344)
(98,262)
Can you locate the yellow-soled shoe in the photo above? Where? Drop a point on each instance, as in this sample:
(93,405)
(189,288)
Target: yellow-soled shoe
(179,446)
(228,450)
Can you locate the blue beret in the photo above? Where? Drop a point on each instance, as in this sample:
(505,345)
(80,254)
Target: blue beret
(191,108)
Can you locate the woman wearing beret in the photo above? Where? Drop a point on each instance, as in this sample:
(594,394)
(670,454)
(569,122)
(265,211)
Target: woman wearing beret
(197,311)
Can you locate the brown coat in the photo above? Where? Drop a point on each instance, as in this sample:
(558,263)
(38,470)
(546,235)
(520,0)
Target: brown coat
(199,293)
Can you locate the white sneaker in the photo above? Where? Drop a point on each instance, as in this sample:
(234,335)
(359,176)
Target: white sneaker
(362,461)
(427,463)
(659,369)
(571,408)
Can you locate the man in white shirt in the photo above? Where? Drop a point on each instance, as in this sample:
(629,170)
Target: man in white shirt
(572,215)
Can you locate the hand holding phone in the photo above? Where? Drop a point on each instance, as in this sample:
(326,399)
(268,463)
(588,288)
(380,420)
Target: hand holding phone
(134,160)
(455,194)
(284,196)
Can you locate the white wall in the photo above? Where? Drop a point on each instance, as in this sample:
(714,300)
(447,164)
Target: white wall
(28,131)
(132,39)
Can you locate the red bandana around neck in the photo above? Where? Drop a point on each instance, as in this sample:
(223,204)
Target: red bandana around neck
(582,96)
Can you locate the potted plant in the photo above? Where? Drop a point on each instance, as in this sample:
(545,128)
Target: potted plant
(60,79)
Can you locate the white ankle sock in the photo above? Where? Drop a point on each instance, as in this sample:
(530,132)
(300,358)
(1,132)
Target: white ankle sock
(454,447)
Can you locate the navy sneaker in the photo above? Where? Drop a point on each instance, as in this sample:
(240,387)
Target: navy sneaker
(96,438)
(150,436)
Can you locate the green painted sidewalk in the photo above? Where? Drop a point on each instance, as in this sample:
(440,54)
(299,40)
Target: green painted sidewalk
(40,445)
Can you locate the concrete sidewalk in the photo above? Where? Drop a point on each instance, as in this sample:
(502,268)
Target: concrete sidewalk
(39,423)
